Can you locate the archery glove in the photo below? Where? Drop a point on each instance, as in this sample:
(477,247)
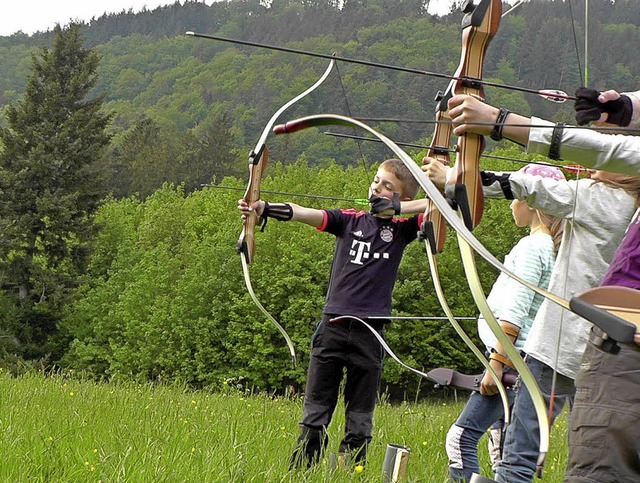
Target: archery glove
(385,206)
(589,108)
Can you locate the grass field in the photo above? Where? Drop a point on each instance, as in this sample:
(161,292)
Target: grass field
(57,429)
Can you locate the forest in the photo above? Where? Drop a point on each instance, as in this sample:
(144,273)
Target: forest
(143,280)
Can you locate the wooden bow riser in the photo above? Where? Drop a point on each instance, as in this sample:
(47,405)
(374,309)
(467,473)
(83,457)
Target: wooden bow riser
(478,28)
(435,226)
(257,165)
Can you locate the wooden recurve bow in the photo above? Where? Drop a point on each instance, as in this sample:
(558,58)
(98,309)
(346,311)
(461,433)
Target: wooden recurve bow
(246,246)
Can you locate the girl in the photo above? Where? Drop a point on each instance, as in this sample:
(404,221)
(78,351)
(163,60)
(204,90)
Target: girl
(515,307)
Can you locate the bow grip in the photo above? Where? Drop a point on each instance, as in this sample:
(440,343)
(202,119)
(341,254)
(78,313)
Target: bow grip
(257,164)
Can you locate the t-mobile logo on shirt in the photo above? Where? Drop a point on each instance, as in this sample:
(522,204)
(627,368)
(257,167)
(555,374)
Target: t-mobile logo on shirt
(360,251)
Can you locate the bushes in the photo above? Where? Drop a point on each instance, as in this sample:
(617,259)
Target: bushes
(166,298)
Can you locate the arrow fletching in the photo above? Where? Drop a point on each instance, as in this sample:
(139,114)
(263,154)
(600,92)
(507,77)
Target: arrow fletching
(554,95)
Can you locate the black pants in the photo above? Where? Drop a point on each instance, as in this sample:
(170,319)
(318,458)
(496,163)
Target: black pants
(337,346)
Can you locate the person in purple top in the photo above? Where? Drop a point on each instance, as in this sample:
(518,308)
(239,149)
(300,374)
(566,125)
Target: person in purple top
(368,251)
(604,442)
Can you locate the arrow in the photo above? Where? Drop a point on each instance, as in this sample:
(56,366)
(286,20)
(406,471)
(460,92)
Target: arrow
(356,201)
(549,94)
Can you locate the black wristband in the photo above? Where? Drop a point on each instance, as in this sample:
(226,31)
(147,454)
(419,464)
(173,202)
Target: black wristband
(496,133)
(556,140)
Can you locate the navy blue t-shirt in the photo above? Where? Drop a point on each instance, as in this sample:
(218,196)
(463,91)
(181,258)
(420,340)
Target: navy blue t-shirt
(366,259)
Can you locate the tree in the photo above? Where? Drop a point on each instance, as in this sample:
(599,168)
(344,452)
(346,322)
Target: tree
(140,164)
(50,186)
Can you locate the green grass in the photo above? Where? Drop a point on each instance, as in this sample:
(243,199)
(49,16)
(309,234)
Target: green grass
(56,429)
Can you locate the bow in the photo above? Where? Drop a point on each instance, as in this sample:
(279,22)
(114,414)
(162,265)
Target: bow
(433,232)
(479,25)
(468,245)
(246,246)
(478,28)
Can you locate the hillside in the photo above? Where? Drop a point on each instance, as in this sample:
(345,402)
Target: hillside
(150,69)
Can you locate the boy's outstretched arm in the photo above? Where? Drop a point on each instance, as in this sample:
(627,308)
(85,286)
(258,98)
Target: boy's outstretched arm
(310,216)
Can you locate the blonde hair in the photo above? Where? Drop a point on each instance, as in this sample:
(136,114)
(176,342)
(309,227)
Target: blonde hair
(555,226)
(410,186)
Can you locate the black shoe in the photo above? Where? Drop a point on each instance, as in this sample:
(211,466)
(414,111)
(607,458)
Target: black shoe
(358,453)
(309,449)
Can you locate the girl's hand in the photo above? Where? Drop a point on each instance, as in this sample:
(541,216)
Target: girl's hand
(488,386)
(471,115)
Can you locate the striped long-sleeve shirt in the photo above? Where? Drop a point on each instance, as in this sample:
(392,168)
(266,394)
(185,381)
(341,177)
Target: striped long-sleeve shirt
(532,258)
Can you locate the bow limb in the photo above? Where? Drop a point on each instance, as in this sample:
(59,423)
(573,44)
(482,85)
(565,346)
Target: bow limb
(468,245)
(441,376)
(463,335)
(247,281)
(468,261)
(384,345)
(436,375)
(445,306)
(449,214)
(246,246)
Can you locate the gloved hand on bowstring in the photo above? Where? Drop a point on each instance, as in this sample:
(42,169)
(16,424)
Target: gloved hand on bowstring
(385,206)
(590,106)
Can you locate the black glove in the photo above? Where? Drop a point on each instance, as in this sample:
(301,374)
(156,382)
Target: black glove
(589,108)
(385,205)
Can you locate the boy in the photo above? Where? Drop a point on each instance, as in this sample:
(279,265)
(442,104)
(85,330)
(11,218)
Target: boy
(368,250)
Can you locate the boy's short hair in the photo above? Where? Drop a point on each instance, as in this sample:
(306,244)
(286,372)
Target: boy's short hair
(410,186)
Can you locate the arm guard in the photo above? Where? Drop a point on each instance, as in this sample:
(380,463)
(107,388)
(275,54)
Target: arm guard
(279,211)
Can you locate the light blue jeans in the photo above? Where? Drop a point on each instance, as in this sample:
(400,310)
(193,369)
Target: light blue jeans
(478,415)
(522,437)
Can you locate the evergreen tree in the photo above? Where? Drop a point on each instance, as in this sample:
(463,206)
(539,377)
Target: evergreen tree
(49,187)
